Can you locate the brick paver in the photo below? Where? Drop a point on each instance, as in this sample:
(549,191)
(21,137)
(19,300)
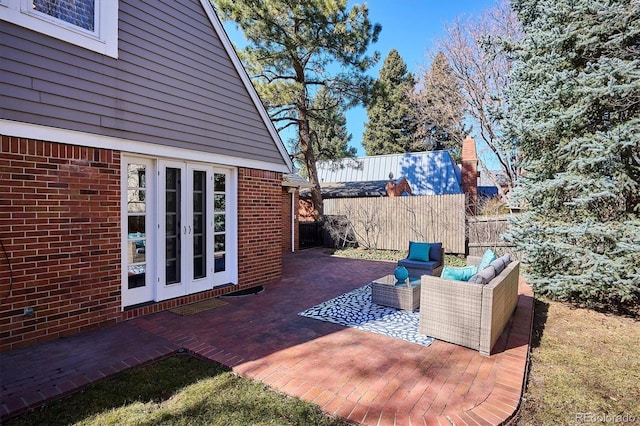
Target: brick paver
(359,376)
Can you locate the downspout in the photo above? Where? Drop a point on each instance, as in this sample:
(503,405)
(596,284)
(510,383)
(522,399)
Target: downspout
(292,191)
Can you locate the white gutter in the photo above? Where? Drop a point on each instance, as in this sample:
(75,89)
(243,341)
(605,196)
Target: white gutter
(292,191)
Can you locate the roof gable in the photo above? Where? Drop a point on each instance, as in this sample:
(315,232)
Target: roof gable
(226,42)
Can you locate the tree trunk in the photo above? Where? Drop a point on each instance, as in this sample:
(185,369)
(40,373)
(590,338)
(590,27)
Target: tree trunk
(304,133)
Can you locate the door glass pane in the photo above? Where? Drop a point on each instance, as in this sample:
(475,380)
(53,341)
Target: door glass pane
(219,202)
(219,182)
(136,226)
(172,217)
(199,217)
(219,221)
(219,242)
(136,201)
(219,259)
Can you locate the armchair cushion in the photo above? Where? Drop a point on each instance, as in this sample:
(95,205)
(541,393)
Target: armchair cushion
(427,267)
(435,253)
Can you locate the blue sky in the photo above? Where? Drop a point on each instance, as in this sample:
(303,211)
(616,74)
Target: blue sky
(410,27)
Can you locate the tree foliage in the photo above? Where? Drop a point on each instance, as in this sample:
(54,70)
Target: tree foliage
(575,110)
(329,125)
(475,50)
(391,126)
(440,108)
(296,47)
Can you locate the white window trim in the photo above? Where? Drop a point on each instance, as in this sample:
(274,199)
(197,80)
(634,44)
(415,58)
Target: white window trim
(103,40)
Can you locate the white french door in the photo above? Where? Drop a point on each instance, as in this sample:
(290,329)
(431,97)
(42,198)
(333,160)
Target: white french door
(182,240)
(138,238)
(194,215)
(186,241)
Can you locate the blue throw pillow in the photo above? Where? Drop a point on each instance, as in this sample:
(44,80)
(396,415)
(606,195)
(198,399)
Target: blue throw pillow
(458,274)
(487,257)
(419,251)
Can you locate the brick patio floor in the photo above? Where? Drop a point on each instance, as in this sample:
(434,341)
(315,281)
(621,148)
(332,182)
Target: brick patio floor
(363,377)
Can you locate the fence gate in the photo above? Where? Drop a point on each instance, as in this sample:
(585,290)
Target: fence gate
(310,234)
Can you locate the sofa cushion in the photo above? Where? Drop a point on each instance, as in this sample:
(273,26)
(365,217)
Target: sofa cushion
(435,252)
(428,267)
(487,257)
(498,265)
(484,276)
(458,274)
(419,251)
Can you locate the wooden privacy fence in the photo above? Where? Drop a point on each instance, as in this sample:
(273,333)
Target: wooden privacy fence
(484,233)
(389,223)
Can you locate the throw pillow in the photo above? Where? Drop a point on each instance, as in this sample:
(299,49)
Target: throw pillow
(457,273)
(487,257)
(419,251)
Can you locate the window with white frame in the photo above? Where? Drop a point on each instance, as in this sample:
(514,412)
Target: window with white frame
(92,24)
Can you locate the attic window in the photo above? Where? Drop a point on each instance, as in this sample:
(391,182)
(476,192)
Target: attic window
(91,24)
(80,13)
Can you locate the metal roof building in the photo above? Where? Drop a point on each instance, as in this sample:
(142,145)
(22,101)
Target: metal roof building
(428,173)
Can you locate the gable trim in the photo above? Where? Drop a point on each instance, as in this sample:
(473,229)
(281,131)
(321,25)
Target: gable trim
(242,72)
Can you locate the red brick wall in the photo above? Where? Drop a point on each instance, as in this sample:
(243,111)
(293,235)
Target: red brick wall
(286,220)
(259,227)
(60,228)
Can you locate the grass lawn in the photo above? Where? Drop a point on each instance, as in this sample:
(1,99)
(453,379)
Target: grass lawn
(181,390)
(585,368)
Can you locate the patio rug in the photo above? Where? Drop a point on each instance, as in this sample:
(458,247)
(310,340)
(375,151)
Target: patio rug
(355,309)
(194,308)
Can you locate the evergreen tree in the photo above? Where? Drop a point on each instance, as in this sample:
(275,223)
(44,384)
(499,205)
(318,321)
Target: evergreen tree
(292,46)
(329,125)
(391,126)
(329,134)
(440,108)
(575,111)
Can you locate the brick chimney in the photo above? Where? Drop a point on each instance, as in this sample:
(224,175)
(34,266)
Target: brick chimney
(470,172)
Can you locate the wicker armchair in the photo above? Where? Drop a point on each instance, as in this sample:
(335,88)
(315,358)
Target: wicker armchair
(469,314)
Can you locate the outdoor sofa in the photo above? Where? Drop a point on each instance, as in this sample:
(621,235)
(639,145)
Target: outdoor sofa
(470,314)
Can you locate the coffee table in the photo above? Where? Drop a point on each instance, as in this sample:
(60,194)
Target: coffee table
(387,291)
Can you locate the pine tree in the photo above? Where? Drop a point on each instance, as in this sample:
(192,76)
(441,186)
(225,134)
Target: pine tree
(329,125)
(575,111)
(440,108)
(329,135)
(295,47)
(391,126)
